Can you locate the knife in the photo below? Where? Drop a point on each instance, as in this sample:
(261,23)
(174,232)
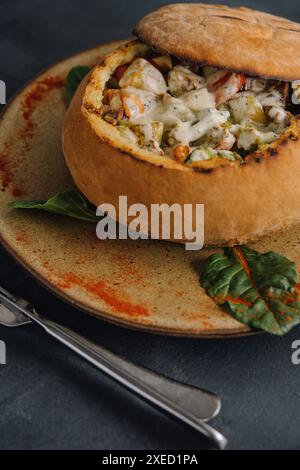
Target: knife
(191,405)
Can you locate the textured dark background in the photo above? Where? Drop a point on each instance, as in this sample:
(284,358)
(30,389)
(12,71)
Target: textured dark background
(50,399)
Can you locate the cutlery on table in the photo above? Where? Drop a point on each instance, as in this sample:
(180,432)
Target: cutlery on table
(191,405)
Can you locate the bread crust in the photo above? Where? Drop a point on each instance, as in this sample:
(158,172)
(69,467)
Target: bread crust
(242,202)
(240,39)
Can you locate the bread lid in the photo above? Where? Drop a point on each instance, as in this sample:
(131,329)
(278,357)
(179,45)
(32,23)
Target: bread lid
(240,39)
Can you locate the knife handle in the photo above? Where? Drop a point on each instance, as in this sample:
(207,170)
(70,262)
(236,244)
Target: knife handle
(189,404)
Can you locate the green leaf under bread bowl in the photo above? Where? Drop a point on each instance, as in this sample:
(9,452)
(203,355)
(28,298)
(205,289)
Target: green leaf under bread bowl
(69,202)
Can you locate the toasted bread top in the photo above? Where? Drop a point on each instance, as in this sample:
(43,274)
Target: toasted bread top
(240,39)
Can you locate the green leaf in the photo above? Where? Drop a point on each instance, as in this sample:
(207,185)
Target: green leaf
(258,289)
(69,202)
(75,76)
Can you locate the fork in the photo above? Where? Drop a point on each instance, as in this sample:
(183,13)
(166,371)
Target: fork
(191,405)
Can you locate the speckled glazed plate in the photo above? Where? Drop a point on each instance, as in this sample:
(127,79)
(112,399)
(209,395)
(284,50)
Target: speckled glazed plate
(150,285)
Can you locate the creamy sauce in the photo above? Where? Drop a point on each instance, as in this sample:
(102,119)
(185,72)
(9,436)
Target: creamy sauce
(206,115)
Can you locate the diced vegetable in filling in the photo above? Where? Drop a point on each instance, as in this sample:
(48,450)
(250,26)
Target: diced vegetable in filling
(192,114)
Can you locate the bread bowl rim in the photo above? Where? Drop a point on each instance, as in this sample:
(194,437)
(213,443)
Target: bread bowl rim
(92,103)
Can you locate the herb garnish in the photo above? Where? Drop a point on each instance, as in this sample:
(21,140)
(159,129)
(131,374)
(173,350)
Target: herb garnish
(258,289)
(75,76)
(69,202)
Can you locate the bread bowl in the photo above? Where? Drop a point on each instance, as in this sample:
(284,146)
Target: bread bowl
(246,193)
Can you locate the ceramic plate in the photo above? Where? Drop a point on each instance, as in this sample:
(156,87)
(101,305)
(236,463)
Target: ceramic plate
(150,285)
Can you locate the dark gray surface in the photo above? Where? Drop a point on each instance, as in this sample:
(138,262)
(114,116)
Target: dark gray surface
(50,399)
